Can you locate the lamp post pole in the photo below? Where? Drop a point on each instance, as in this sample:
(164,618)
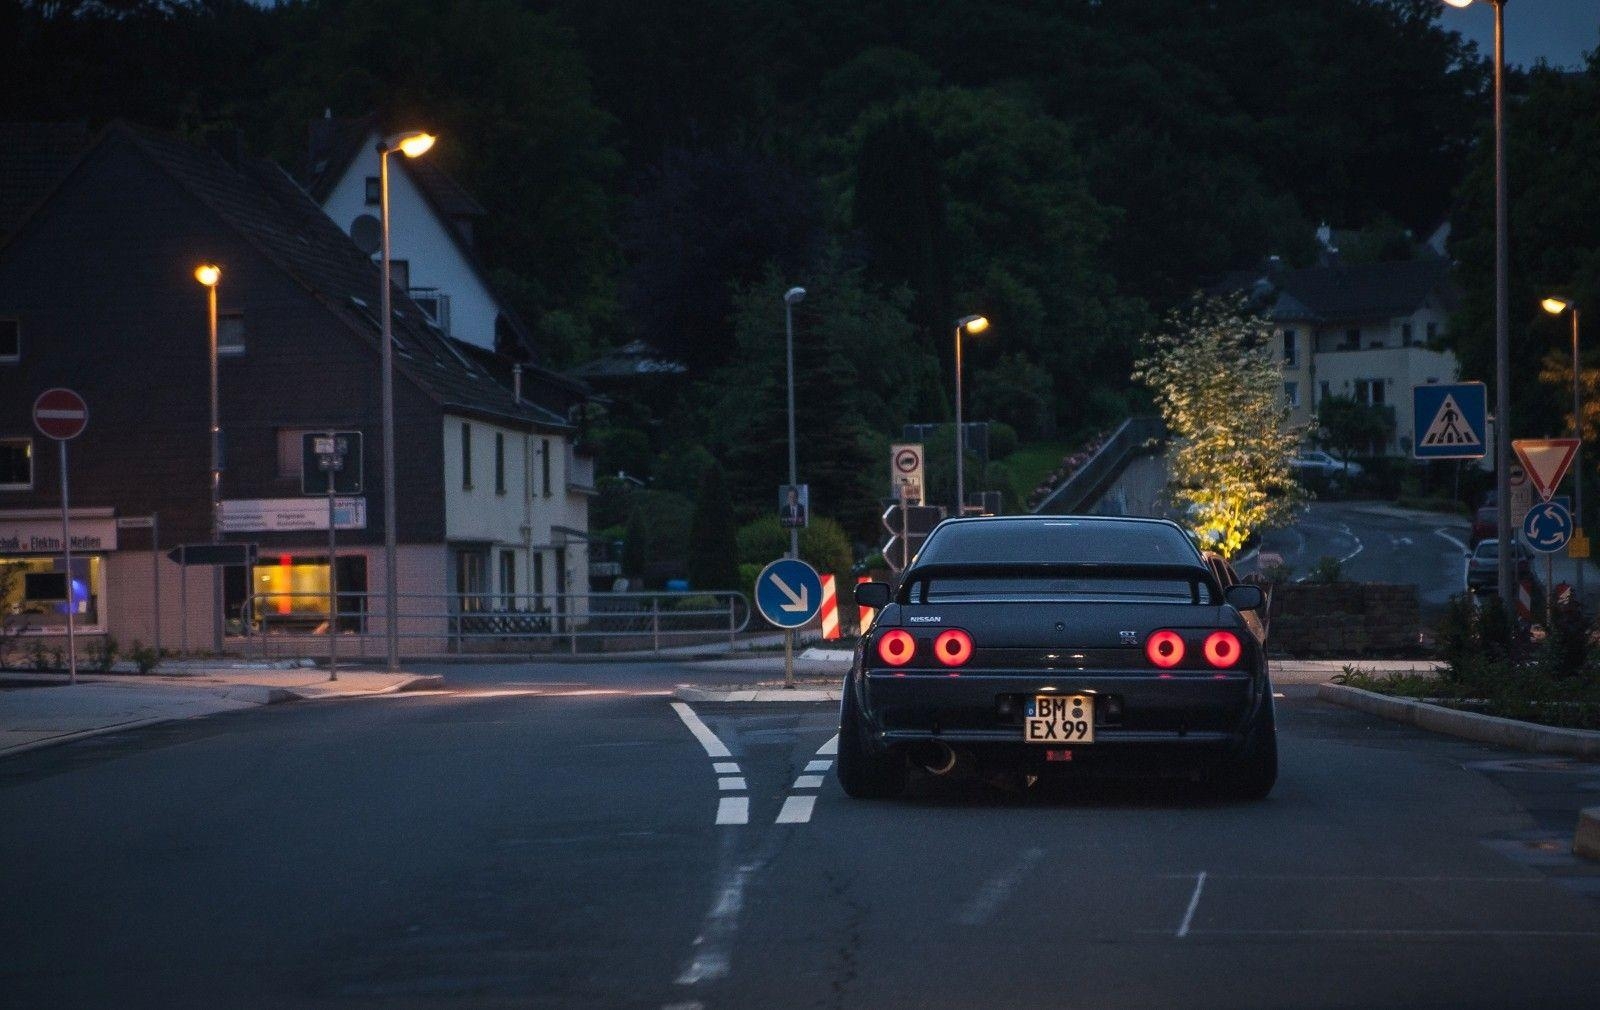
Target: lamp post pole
(391,595)
(210,276)
(790,299)
(1502,340)
(1577,433)
(961,481)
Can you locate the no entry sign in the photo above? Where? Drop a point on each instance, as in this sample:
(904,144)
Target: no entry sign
(60,414)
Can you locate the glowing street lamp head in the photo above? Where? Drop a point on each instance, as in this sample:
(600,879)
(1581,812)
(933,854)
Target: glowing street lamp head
(973,324)
(1459,3)
(208,274)
(1556,306)
(413,144)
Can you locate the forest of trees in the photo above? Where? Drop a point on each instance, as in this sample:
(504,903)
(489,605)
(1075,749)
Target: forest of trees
(665,170)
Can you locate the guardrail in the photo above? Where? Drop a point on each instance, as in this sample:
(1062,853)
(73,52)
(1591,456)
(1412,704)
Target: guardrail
(1090,479)
(464,623)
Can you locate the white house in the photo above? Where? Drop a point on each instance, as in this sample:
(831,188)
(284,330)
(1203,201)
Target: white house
(516,504)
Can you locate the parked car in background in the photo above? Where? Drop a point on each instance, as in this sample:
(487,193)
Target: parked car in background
(1318,462)
(1483,566)
(1485,523)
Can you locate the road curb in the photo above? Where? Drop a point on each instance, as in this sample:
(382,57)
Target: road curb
(1586,840)
(1468,725)
(688,692)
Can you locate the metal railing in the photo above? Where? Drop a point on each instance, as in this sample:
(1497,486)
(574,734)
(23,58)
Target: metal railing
(1091,479)
(467,623)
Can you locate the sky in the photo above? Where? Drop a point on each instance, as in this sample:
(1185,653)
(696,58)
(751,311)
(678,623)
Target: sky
(1560,31)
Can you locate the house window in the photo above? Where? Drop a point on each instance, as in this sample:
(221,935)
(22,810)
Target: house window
(16,464)
(499,462)
(230,333)
(466,456)
(374,197)
(1363,391)
(1405,334)
(1433,331)
(508,579)
(1291,393)
(10,340)
(1352,339)
(538,574)
(544,465)
(1325,392)
(1291,355)
(400,274)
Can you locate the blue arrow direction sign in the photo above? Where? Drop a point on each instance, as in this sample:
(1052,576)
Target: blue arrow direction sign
(1548,526)
(1449,421)
(789,593)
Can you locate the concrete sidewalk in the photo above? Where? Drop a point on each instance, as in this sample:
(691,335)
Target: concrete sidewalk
(55,712)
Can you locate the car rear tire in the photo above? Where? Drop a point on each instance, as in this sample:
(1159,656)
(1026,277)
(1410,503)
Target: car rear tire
(1254,771)
(863,773)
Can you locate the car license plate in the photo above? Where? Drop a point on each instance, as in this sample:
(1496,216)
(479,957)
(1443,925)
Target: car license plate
(1053,718)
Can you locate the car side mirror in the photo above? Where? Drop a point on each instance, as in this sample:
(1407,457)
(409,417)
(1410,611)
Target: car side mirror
(1243,597)
(873,594)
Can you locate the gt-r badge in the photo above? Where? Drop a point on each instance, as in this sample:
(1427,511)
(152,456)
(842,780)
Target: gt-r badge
(924,619)
(1129,637)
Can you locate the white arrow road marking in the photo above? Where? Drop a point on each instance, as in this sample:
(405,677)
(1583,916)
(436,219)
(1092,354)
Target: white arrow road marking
(714,747)
(798,603)
(831,747)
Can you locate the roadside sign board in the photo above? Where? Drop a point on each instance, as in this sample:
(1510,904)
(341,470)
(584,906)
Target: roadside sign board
(213,554)
(1546,460)
(335,452)
(909,526)
(906,472)
(794,505)
(789,593)
(1521,494)
(1449,421)
(1578,546)
(1548,526)
(60,414)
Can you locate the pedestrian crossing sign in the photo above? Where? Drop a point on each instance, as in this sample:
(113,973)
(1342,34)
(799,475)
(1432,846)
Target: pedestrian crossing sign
(1449,421)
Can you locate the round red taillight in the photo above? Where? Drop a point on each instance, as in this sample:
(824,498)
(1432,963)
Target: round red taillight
(896,647)
(953,647)
(1164,649)
(1222,648)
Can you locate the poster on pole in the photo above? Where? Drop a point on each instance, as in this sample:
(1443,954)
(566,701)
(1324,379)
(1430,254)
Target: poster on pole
(794,505)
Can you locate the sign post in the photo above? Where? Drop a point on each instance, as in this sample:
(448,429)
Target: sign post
(333,460)
(906,472)
(788,594)
(62,415)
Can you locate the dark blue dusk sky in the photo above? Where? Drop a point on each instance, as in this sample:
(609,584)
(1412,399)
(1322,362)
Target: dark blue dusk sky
(1559,31)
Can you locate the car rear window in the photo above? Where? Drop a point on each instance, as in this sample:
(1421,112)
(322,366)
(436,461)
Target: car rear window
(1058,541)
(1054,589)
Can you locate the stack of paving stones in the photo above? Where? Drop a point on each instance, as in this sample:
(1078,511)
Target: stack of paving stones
(1344,619)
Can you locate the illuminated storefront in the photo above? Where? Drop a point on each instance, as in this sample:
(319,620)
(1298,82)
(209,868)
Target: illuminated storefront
(290,592)
(33,589)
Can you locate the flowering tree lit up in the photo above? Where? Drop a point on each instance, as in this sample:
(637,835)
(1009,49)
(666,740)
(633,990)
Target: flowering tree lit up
(1220,392)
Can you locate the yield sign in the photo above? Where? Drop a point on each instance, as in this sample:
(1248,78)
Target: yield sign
(1546,460)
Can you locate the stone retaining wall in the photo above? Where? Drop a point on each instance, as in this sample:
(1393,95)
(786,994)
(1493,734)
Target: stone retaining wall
(1344,618)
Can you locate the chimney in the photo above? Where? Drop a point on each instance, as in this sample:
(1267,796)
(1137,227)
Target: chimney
(516,382)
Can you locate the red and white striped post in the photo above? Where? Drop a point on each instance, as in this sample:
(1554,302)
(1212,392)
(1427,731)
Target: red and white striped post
(830,609)
(864,615)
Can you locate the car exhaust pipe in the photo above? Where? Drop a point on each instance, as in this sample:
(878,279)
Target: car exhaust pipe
(935,757)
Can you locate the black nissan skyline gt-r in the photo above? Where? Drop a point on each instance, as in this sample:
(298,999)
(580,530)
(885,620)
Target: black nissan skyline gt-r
(1076,644)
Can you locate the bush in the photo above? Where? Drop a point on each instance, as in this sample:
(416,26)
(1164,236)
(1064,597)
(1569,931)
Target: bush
(713,563)
(1327,570)
(103,653)
(997,477)
(143,657)
(762,540)
(1002,440)
(748,574)
(825,547)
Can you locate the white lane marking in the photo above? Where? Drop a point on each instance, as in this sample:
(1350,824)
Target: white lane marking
(1453,539)
(1194,903)
(994,894)
(691,1005)
(731,784)
(796,810)
(1575,934)
(819,766)
(716,935)
(831,747)
(733,810)
(808,782)
(1344,528)
(702,732)
(1365,878)
(726,767)
(1279,694)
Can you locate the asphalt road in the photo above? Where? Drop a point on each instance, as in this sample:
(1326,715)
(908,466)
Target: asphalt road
(1378,544)
(548,837)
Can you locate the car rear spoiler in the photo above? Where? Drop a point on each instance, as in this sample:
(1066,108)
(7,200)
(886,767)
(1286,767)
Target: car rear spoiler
(1195,575)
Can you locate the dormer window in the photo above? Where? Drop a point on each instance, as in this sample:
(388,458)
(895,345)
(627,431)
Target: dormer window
(374,193)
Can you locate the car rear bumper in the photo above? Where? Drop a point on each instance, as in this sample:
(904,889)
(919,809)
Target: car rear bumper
(1132,711)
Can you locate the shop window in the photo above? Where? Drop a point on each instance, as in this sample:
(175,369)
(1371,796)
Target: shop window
(33,594)
(16,464)
(291,593)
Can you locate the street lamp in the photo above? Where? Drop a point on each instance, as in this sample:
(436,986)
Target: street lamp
(974,325)
(412,144)
(791,298)
(210,275)
(1502,340)
(1556,306)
